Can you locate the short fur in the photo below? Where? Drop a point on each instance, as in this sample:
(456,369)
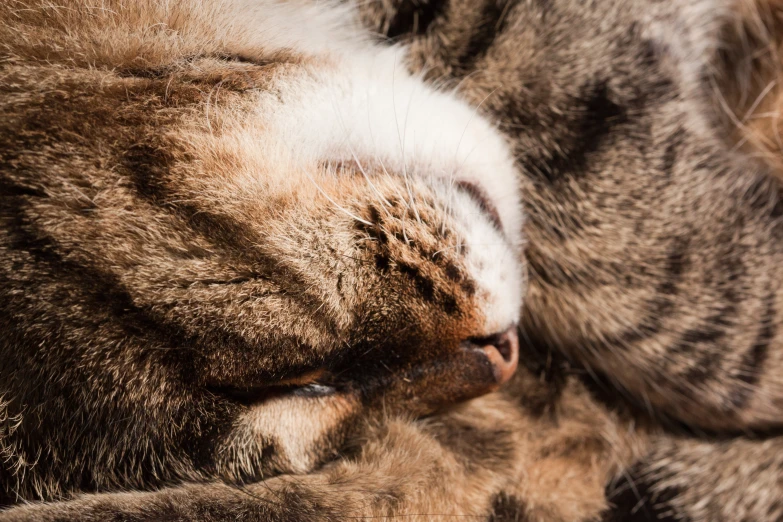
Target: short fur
(653,247)
(651,384)
(213,241)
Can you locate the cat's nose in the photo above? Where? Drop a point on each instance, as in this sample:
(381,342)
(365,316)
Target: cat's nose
(502,350)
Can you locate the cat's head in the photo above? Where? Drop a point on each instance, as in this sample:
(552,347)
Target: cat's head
(228,245)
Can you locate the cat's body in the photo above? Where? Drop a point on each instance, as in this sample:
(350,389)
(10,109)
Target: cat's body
(202,200)
(654,247)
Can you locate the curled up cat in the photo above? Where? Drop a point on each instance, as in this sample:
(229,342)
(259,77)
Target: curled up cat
(308,260)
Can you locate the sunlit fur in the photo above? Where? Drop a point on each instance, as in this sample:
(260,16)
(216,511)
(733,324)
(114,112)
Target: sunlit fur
(653,238)
(650,381)
(206,198)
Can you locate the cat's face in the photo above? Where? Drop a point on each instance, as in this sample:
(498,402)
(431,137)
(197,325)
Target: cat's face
(243,259)
(375,230)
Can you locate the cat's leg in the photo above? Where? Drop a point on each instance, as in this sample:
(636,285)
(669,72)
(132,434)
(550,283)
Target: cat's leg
(488,460)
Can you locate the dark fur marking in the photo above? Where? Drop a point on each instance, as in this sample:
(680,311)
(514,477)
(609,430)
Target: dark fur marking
(764,196)
(677,262)
(600,116)
(414,17)
(375,215)
(635,501)
(750,367)
(774,507)
(547,366)
(508,508)
(449,304)
(424,286)
(488,28)
(670,155)
(700,371)
(148,166)
(11,189)
(544,5)
(717,325)
(474,446)
(453,273)
(707,334)
(374,231)
(469,287)
(776,212)
(382,262)
(591,273)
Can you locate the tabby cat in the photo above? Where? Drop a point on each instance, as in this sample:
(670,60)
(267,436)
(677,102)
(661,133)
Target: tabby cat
(244,245)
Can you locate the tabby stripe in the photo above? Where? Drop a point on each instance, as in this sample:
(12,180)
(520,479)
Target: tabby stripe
(637,501)
(508,508)
(414,19)
(148,168)
(674,144)
(105,292)
(750,367)
(600,116)
(662,305)
(488,28)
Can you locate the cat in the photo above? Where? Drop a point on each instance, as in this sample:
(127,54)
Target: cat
(647,341)
(231,231)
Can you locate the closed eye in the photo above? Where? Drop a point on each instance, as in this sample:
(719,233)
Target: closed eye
(258,395)
(309,385)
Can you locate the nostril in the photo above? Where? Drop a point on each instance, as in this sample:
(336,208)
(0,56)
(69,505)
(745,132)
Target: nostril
(504,346)
(502,342)
(502,350)
(478,342)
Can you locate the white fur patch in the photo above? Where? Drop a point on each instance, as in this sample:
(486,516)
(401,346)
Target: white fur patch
(365,107)
(306,27)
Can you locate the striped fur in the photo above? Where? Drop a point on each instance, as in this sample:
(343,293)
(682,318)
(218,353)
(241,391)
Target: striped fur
(649,386)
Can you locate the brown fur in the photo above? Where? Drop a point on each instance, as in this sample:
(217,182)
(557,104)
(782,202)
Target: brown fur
(652,319)
(155,272)
(749,95)
(652,249)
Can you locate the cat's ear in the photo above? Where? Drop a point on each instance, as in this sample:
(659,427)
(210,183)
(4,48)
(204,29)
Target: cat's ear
(748,89)
(727,56)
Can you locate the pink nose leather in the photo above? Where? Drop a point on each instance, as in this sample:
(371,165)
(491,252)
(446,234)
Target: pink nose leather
(503,353)
(502,350)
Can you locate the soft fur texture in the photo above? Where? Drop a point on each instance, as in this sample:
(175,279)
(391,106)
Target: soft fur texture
(653,252)
(198,205)
(201,199)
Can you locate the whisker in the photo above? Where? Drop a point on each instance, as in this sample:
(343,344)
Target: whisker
(402,146)
(333,202)
(758,100)
(384,202)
